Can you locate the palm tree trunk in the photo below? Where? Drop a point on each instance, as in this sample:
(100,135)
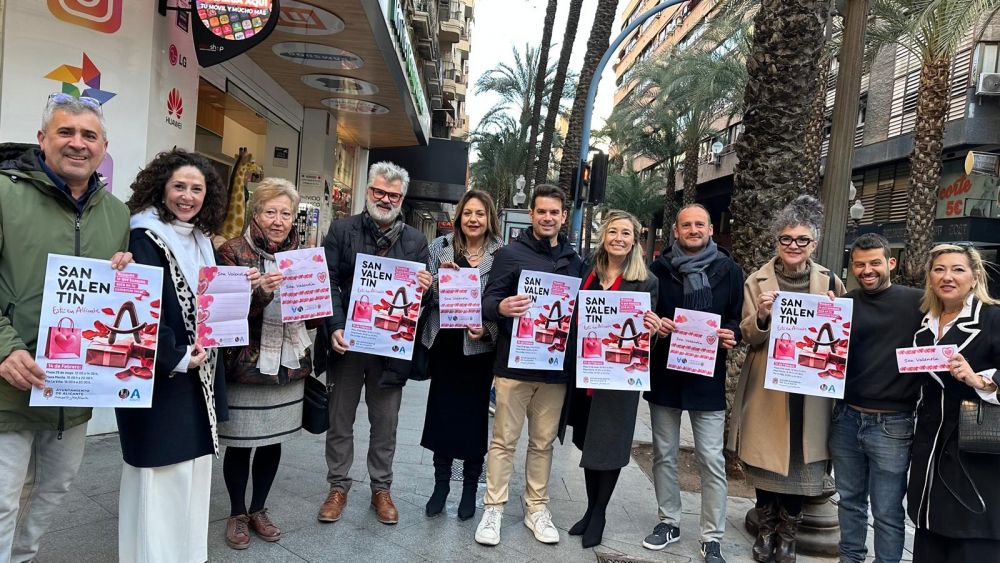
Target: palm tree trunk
(669,207)
(925,166)
(814,131)
(600,34)
(559,82)
(782,67)
(543,67)
(690,172)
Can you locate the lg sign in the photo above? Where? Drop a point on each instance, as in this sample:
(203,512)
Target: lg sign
(175,57)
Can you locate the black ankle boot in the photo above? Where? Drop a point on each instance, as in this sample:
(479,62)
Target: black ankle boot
(581,525)
(767,527)
(594,532)
(470,488)
(442,486)
(788,528)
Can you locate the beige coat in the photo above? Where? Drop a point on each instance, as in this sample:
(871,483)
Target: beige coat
(759,431)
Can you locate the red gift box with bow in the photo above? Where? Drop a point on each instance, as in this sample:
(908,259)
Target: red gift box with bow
(108,355)
(545,336)
(620,356)
(145,348)
(815,360)
(388,322)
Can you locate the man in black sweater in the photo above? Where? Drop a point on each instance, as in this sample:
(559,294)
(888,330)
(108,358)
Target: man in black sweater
(535,394)
(873,425)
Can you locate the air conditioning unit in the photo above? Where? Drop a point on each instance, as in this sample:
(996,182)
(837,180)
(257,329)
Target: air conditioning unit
(989,84)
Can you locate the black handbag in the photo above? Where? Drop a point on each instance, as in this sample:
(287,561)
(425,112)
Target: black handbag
(979,427)
(315,415)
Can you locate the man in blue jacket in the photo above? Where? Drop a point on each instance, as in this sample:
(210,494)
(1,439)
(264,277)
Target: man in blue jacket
(535,394)
(694,274)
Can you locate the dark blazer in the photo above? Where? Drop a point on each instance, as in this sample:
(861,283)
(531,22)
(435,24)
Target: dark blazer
(689,391)
(176,427)
(938,476)
(527,253)
(346,238)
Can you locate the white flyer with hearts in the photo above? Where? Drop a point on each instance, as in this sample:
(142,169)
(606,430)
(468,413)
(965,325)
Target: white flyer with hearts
(305,289)
(694,344)
(460,298)
(223,306)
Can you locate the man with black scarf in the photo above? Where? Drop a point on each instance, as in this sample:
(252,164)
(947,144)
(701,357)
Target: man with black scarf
(694,274)
(378,230)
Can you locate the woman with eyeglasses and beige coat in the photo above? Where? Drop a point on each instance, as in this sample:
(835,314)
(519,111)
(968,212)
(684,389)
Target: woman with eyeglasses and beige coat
(781,437)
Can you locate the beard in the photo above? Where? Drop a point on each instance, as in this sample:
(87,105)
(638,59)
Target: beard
(382,216)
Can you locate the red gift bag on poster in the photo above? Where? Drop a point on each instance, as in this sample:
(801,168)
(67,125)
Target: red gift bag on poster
(525,327)
(63,342)
(362,310)
(784,348)
(592,346)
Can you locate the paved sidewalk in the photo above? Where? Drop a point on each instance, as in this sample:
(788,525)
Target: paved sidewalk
(87,531)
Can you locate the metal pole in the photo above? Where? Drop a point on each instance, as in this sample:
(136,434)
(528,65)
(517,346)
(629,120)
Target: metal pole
(576,232)
(837,178)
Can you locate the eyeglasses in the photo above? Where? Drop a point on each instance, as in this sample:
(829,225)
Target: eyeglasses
(378,194)
(273,214)
(801,242)
(64,99)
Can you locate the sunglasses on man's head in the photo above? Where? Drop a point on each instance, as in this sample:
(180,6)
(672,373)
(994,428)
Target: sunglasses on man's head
(62,99)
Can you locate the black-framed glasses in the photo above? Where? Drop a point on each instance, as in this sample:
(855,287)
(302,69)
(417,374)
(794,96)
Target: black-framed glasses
(62,98)
(378,194)
(801,242)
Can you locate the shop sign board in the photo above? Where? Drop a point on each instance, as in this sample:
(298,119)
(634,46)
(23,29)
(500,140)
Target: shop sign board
(224,29)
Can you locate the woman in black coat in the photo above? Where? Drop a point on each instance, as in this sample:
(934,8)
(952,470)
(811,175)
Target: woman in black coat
(165,489)
(952,495)
(604,420)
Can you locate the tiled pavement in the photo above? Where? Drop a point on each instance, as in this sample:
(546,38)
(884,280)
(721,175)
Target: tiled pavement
(87,531)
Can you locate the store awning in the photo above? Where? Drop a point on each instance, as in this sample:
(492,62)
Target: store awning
(350,57)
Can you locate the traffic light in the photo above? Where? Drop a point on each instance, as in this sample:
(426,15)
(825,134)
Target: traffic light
(581,179)
(598,180)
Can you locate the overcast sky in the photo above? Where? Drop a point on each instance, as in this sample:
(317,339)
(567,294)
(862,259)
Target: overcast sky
(502,24)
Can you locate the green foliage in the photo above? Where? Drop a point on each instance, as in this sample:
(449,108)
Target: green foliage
(635,194)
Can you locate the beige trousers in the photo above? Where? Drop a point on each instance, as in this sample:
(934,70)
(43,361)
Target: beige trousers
(542,404)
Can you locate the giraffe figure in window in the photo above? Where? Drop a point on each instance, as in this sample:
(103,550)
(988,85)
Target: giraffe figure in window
(245,170)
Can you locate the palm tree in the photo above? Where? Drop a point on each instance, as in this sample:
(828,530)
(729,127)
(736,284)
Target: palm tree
(513,83)
(782,66)
(543,63)
(600,35)
(633,193)
(501,152)
(932,30)
(558,85)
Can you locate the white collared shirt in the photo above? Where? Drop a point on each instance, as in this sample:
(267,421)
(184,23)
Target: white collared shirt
(932,322)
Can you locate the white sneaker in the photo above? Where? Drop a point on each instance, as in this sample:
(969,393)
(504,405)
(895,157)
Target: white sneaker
(540,524)
(488,531)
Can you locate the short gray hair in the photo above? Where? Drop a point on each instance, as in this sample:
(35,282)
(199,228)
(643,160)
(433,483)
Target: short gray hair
(804,211)
(390,173)
(72,106)
(271,188)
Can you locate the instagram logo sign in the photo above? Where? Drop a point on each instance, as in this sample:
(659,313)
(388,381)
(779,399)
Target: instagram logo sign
(100,15)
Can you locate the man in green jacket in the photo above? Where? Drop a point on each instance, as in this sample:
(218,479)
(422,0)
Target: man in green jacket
(51,201)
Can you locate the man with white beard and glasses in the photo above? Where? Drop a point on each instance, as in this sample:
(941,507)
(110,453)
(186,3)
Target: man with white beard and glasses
(378,230)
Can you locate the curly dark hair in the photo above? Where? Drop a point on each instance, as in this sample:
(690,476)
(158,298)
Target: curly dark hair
(149,184)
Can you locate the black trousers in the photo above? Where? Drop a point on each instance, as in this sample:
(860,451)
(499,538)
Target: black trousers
(929,547)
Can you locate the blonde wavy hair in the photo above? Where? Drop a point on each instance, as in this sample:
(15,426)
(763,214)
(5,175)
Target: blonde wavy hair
(931,302)
(634,269)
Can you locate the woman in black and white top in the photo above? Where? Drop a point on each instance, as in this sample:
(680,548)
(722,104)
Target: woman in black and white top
(952,495)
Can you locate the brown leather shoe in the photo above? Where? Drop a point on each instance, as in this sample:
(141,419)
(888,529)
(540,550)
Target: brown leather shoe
(385,511)
(333,506)
(238,532)
(263,526)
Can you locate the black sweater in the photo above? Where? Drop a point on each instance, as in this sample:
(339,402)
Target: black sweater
(882,322)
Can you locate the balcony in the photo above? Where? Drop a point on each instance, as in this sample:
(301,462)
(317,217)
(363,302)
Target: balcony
(424,20)
(451,23)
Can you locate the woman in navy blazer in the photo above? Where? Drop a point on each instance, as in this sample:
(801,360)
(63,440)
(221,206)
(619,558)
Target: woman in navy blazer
(952,495)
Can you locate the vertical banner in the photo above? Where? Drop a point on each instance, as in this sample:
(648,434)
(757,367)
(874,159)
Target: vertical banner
(459,298)
(384,306)
(97,334)
(223,306)
(694,345)
(807,352)
(612,343)
(539,337)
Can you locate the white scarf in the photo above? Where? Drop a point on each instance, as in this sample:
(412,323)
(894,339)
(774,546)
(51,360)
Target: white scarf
(190,247)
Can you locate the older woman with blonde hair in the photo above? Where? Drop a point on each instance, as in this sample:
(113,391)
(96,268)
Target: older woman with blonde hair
(952,495)
(266,378)
(604,420)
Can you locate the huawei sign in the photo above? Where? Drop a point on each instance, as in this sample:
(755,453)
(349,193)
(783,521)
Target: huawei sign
(175,108)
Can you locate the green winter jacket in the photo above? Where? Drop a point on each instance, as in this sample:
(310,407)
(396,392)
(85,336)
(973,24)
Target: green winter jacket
(36,219)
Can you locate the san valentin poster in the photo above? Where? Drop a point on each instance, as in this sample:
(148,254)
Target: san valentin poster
(612,343)
(807,352)
(384,307)
(97,334)
(539,337)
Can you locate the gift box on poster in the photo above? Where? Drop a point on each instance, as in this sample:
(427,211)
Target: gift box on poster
(620,356)
(640,353)
(387,322)
(408,323)
(561,334)
(108,355)
(145,348)
(838,359)
(545,336)
(816,360)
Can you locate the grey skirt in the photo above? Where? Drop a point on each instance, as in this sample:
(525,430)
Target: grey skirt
(261,415)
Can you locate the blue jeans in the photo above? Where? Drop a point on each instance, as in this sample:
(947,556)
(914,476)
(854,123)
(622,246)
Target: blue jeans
(871,455)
